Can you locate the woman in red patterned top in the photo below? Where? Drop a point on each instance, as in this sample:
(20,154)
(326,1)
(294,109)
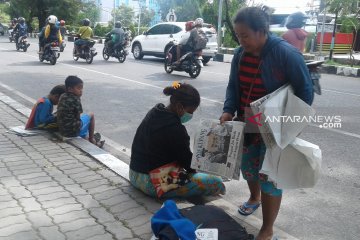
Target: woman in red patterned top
(261,65)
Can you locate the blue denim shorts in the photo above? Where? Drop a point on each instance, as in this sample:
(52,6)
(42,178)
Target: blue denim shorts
(85,125)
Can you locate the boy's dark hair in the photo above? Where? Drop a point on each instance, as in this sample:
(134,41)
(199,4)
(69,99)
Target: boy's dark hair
(58,90)
(72,81)
(183,93)
(256,18)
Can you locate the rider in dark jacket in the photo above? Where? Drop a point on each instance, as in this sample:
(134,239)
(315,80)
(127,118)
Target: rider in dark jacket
(117,37)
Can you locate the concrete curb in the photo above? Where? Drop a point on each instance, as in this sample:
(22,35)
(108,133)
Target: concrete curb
(340,70)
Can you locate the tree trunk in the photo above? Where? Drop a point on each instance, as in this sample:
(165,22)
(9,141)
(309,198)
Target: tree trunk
(229,22)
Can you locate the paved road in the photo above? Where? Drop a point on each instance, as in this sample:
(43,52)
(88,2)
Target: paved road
(121,94)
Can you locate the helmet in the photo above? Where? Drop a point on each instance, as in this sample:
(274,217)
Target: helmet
(15,19)
(118,24)
(52,19)
(199,22)
(296,20)
(21,20)
(86,22)
(189,25)
(62,23)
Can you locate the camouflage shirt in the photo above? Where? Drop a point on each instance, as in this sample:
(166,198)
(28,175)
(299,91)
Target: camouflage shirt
(68,115)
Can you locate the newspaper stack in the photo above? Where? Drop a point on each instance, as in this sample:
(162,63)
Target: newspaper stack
(218,148)
(289,162)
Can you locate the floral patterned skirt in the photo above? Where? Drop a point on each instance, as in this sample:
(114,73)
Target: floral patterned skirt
(201,184)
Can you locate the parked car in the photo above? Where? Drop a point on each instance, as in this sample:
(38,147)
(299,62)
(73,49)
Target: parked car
(2,30)
(159,38)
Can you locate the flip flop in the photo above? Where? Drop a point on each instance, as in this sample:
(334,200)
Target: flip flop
(97,137)
(251,208)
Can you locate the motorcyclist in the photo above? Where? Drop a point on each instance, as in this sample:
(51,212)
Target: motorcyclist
(51,32)
(85,33)
(196,39)
(13,23)
(20,29)
(296,36)
(117,37)
(63,29)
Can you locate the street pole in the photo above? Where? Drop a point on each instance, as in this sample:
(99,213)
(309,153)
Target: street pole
(333,37)
(139,19)
(322,30)
(114,13)
(219,24)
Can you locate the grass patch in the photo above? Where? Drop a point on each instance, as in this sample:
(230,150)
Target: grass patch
(334,63)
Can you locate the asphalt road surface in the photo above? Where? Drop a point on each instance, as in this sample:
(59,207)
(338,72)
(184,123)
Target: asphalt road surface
(120,94)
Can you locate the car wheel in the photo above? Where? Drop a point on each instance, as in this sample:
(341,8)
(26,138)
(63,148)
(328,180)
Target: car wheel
(206,60)
(137,51)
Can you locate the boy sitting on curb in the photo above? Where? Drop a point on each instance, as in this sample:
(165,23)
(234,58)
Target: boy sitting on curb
(42,116)
(71,121)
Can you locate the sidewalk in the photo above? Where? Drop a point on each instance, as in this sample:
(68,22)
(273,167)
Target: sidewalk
(51,190)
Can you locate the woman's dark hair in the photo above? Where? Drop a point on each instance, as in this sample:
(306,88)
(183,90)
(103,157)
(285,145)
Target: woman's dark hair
(58,90)
(72,81)
(183,93)
(256,18)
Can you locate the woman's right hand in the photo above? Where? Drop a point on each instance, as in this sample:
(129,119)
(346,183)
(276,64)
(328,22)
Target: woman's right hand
(226,117)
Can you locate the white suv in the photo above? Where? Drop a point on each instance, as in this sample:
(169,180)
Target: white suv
(159,38)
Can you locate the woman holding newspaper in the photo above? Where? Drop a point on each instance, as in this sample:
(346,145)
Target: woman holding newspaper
(261,65)
(161,155)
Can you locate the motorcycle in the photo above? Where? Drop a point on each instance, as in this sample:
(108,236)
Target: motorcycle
(314,70)
(22,43)
(189,62)
(51,53)
(119,52)
(87,52)
(11,35)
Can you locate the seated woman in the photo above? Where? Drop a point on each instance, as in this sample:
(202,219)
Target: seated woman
(162,139)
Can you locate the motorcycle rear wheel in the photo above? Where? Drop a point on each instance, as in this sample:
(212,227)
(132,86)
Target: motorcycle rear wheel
(167,66)
(75,57)
(105,54)
(53,59)
(195,70)
(122,56)
(89,58)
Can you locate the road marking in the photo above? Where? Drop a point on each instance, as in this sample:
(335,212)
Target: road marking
(337,131)
(345,93)
(158,87)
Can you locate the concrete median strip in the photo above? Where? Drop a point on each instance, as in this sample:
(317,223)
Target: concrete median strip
(121,168)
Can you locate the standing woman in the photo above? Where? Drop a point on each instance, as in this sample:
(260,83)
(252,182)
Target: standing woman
(262,64)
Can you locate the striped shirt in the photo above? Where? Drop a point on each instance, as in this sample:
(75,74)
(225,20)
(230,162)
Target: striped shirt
(249,72)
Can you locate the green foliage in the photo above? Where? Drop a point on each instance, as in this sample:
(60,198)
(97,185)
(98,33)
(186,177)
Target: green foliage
(146,17)
(4,17)
(349,24)
(125,15)
(101,31)
(88,10)
(63,9)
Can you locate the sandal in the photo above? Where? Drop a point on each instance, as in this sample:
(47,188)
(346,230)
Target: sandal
(97,137)
(248,209)
(100,144)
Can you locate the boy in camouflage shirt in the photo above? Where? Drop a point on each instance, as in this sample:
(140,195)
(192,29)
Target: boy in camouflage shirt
(71,121)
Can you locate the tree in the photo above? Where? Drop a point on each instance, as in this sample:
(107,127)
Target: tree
(125,15)
(146,16)
(63,9)
(88,10)
(340,7)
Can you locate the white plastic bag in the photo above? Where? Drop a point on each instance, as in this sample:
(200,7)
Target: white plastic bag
(296,166)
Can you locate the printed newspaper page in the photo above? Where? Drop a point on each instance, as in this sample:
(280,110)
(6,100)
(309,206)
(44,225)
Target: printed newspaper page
(218,148)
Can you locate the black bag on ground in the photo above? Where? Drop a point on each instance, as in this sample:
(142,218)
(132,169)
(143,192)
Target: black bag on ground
(210,217)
